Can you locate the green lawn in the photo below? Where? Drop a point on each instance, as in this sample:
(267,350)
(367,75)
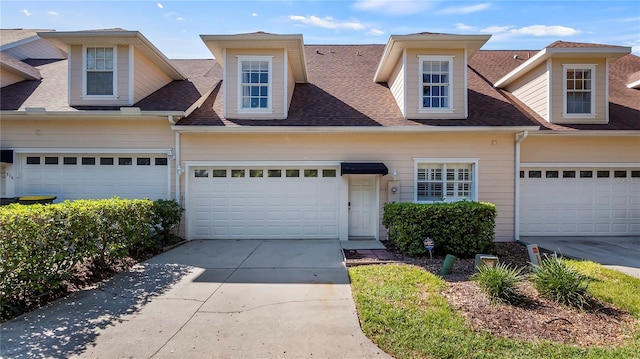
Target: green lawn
(402,311)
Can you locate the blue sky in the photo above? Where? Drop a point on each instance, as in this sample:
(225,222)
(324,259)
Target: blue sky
(174,26)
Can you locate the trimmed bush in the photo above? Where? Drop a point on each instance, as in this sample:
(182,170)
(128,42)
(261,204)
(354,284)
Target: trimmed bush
(461,228)
(559,281)
(499,282)
(166,218)
(41,244)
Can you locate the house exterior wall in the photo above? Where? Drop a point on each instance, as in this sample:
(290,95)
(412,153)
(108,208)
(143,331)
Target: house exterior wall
(147,76)
(291,85)
(580,149)
(533,90)
(396,85)
(413,84)
(277,90)
(122,78)
(8,78)
(557,103)
(37,49)
(495,152)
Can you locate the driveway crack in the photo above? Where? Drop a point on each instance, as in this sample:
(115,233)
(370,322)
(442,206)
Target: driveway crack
(270,305)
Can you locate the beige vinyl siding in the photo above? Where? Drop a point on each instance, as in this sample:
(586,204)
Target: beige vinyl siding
(495,172)
(580,149)
(413,95)
(8,78)
(37,49)
(557,103)
(122,78)
(148,77)
(291,85)
(396,85)
(277,90)
(533,90)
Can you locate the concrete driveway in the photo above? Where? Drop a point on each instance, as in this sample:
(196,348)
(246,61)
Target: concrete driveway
(206,299)
(620,253)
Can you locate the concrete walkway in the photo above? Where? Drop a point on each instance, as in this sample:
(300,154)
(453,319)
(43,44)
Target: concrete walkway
(619,253)
(206,299)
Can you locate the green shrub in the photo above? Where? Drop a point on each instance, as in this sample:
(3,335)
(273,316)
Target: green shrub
(41,244)
(166,218)
(499,282)
(561,282)
(461,228)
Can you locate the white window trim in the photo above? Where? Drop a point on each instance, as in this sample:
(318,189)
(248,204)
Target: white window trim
(591,67)
(474,174)
(84,75)
(269,108)
(421,59)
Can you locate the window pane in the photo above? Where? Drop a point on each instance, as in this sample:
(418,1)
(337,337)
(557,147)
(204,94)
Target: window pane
(201,173)
(237,173)
(70,161)
(106,161)
(51,160)
(293,173)
(219,173)
(535,174)
(603,174)
(99,83)
(255,173)
(635,174)
(89,161)
(551,174)
(586,174)
(328,173)
(311,173)
(620,174)
(274,173)
(568,174)
(125,161)
(143,161)
(160,161)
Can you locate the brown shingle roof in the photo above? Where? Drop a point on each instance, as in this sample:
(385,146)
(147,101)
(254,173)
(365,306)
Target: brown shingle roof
(12,64)
(341,92)
(9,36)
(568,44)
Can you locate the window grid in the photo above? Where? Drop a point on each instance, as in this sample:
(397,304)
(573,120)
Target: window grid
(443,182)
(579,90)
(435,84)
(254,84)
(99,71)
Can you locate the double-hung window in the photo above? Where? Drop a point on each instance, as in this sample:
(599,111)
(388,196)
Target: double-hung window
(579,90)
(445,181)
(99,71)
(255,83)
(435,82)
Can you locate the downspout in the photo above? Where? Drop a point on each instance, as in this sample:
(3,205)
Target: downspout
(516,225)
(178,168)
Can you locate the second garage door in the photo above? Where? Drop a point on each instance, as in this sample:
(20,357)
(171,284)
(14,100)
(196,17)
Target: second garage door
(263,202)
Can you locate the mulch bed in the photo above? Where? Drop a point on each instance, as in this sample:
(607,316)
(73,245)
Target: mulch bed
(533,318)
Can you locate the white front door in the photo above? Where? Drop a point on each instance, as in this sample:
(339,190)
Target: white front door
(362,206)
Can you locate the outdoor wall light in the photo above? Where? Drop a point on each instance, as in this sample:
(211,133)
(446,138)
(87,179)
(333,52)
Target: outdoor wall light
(394,175)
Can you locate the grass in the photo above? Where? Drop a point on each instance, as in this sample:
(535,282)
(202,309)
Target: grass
(402,311)
(499,282)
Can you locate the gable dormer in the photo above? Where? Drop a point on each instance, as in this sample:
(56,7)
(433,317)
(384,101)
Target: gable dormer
(566,82)
(260,71)
(112,67)
(427,73)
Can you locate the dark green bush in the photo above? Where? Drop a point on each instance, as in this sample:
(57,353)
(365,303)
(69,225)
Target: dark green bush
(166,218)
(461,228)
(561,282)
(41,244)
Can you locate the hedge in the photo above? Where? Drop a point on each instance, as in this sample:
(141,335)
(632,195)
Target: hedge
(460,228)
(41,244)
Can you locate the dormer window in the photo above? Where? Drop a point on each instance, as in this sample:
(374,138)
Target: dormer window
(436,85)
(255,83)
(99,71)
(579,90)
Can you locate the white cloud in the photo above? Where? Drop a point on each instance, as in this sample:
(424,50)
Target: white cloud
(463,10)
(254,14)
(327,22)
(545,30)
(463,27)
(180,18)
(495,29)
(160,5)
(26,12)
(375,32)
(52,13)
(394,7)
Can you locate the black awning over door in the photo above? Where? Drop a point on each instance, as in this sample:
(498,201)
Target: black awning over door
(363,168)
(6,156)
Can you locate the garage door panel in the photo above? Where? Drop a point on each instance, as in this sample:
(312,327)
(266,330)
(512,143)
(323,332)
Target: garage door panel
(579,206)
(265,207)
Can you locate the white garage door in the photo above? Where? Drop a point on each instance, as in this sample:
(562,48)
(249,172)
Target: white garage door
(579,201)
(94,176)
(263,203)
